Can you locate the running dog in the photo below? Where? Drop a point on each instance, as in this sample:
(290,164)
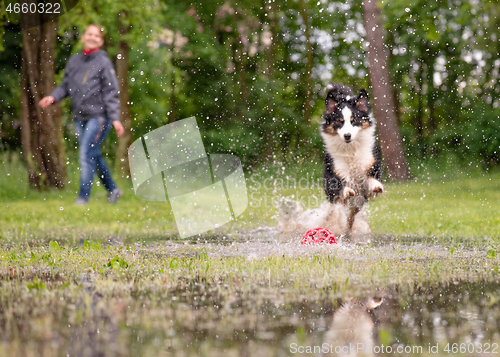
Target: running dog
(353,170)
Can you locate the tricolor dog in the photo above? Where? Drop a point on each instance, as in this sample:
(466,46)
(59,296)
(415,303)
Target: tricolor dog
(353,170)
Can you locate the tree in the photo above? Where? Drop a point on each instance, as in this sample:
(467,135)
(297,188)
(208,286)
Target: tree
(41,131)
(125,140)
(385,113)
(309,64)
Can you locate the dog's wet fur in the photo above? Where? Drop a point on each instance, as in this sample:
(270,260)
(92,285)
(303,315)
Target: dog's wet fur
(353,170)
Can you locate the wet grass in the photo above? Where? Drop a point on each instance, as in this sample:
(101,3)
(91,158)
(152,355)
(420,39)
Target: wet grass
(115,280)
(463,209)
(105,299)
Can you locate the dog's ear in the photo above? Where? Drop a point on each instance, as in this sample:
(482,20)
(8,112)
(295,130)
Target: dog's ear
(331,100)
(363,102)
(331,104)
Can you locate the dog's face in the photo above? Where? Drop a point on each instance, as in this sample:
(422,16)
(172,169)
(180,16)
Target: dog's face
(346,115)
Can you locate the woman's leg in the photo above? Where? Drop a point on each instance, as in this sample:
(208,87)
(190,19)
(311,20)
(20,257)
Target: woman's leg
(101,167)
(90,136)
(86,166)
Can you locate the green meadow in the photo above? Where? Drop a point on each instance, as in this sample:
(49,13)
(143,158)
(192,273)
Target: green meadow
(460,207)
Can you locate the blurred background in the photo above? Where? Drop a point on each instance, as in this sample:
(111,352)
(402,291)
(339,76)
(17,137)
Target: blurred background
(253,73)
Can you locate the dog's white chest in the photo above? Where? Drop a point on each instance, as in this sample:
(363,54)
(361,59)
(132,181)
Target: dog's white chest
(353,160)
(354,166)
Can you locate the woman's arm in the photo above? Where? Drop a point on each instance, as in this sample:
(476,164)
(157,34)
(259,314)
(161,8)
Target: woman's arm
(59,93)
(46,101)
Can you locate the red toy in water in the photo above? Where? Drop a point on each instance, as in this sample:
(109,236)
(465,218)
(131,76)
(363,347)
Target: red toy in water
(318,235)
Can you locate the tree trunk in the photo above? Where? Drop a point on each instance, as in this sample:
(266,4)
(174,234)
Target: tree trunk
(419,90)
(390,139)
(41,130)
(430,91)
(272,10)
(270,22)
(240,61)
(124,141)
(309,64)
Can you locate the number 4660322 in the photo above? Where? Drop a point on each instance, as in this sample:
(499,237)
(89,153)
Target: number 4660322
(33,8)
(471,348)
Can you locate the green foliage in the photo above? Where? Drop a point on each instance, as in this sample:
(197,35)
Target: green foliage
(91,245)
(54,246)
(239,67)
(117,263)
(36,285)
(473,141)
(173,263)
(481,136)
(10,106)
(441,68)
(3,18)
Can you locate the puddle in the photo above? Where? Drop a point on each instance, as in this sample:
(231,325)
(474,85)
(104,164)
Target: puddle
(398,320)
(263,296)
(411,319)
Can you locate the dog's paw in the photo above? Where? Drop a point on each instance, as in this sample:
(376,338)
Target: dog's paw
(375,187)
(346,193)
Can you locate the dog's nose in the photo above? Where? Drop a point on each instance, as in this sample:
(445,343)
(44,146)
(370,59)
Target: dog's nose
(347,136)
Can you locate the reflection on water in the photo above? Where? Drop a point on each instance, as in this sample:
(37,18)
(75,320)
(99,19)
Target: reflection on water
(450,318)
(204,317)
(352,330)
(403,320)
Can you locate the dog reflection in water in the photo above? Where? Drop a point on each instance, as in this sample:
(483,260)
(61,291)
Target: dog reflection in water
(352,330)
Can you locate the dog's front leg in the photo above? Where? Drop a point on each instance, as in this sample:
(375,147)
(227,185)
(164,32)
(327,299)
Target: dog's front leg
(375,187)
(352,210)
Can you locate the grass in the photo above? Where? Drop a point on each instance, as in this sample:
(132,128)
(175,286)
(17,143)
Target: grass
(467,207)
(116,280)
(52,215)
(464,208)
